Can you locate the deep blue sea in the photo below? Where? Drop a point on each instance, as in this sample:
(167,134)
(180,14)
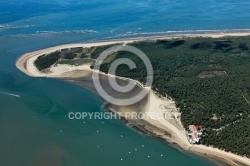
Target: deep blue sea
(33,128)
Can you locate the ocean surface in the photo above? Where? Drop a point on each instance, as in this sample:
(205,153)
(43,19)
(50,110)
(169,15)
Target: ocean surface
(33,126)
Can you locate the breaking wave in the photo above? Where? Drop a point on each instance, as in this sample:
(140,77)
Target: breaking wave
(4,27)
(138,34)
(42,33)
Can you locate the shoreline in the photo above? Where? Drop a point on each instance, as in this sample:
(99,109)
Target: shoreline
(159,128)
(143,131)
(213,34)
(181,34)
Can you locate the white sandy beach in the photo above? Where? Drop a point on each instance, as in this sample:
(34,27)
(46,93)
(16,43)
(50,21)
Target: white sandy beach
(26,64)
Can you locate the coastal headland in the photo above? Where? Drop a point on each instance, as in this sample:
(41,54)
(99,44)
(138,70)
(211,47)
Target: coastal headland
(170,130)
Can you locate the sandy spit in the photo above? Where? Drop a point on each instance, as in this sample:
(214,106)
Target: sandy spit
(158,126)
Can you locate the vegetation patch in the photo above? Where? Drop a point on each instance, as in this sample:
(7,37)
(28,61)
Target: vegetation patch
(76,62)
(98,50)
(45,61)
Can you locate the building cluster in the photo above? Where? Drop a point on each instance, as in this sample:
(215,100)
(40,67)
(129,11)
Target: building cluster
(194,133)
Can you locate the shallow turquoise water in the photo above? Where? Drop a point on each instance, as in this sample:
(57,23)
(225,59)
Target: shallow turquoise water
(34,129)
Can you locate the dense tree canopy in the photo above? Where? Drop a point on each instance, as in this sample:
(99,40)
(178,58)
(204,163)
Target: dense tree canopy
(209,80)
